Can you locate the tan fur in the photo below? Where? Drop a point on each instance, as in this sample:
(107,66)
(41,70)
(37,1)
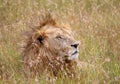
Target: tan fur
(48,55)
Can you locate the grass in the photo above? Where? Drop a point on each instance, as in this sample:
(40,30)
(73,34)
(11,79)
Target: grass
(96,23)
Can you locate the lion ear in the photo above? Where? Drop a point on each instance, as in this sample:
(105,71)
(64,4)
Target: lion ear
(39,37)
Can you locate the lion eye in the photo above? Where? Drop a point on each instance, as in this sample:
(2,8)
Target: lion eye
(59,37)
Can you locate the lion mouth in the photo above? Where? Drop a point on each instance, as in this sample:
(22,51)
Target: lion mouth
(73,56)
(75,52)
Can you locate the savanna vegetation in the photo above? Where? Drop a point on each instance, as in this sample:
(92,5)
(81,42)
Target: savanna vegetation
(96,24)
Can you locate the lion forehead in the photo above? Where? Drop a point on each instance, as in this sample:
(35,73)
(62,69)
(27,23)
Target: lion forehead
(56,30)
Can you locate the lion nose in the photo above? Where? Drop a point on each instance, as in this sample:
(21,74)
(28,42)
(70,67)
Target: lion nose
(75,45)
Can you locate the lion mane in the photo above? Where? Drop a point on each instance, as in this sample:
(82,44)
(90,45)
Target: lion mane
(39,58)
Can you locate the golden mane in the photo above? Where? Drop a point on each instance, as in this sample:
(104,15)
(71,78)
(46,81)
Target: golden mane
(47,19)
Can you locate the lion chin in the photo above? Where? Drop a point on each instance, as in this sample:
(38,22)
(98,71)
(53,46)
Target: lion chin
(50,48)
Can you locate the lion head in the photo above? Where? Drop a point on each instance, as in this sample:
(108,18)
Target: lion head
(50,47)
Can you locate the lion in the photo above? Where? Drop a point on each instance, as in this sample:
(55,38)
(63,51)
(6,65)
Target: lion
(50,49)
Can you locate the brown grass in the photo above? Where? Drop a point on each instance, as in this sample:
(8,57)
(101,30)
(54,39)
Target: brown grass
(97,26)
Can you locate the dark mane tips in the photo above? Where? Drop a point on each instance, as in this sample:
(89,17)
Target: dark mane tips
(46,19)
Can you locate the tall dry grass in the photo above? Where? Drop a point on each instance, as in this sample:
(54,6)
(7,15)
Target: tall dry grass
(97,26)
